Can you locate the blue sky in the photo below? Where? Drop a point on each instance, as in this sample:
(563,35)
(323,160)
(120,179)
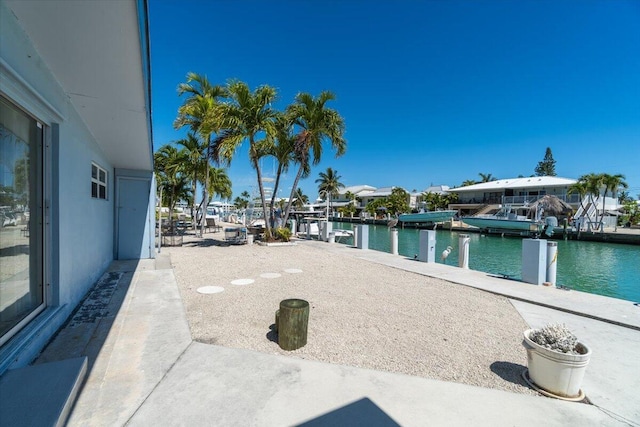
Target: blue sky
(432,92)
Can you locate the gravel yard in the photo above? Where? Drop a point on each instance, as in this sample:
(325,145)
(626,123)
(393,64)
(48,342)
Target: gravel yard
(361,314)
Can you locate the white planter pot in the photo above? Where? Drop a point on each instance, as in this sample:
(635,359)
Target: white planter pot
(558,373)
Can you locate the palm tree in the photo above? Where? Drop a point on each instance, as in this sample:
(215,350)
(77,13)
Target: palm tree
(468,182)
(329,183)
(397,202)
(245,117)
(612,183)
(198,112)
(317,124)
(300,199)
(169,168)
(219,184)
(579,188)
(240,203)
(591,184)
(193,151)
(281,148)
(487,177)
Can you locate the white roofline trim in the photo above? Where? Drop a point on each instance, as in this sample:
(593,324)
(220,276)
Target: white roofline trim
(15,87)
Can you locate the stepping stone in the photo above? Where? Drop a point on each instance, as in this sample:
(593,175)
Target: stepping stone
(293,270)
(210,289)
(270,275)
(242,281)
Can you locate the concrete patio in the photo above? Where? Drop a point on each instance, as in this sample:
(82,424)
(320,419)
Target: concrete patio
(143,367)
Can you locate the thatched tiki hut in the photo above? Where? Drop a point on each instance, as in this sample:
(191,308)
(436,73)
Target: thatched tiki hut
(552,206)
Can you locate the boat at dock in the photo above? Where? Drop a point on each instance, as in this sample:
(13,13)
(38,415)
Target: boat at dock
(428,217)
(316,231)
(508,221)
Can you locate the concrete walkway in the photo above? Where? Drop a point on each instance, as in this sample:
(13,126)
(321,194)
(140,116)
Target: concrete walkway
(144,368)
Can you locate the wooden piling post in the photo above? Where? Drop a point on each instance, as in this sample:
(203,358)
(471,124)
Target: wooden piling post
(292,321)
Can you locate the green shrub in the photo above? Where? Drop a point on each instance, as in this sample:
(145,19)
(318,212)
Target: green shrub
(283,234)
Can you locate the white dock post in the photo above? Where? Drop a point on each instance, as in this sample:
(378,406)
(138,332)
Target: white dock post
(552,262)
(394,241)
(427,248)
(463,250)
(363,237)
(294,230)
(534,261)
(328,228)
(308,228)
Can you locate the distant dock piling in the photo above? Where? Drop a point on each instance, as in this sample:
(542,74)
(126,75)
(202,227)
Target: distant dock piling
(552,262)
(394,241)
(463,251)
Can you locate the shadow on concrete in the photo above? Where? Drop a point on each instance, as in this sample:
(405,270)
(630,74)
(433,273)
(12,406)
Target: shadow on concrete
(511,372)
(87,328)
(206,243)
(362,412)
(272,335)
(15,250)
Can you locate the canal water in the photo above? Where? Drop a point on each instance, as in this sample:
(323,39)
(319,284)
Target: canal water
(599,268)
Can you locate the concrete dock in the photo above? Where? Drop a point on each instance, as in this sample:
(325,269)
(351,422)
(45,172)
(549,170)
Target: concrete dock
(144,368)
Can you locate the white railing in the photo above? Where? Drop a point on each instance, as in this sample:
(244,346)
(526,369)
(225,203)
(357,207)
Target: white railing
(524,200)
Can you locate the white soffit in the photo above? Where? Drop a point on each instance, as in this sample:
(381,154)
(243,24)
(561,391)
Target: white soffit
(93,48)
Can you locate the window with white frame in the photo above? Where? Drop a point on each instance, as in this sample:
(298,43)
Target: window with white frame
(98,182)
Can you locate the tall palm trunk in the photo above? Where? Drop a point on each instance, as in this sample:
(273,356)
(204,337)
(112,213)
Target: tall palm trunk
(262,198)
(205,196)
(275,188)
(293,191)
(592,202)
(194,188)
(604,206)
(584,212)
(256,165)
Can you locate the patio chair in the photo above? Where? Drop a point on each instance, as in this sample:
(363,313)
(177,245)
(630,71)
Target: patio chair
(211,224)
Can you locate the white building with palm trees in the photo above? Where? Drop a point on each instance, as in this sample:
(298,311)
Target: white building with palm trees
(487,196)
(77,158)
(353,194)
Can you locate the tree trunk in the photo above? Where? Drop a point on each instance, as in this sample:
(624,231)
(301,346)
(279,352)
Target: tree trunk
(275,191)
(292,324)
(194,189)
(205,199)
(256,165)
(267,225)
(285,218)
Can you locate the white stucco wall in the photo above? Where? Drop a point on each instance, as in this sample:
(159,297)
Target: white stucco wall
(86,224)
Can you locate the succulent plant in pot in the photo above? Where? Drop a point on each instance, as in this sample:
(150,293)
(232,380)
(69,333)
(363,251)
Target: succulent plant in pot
(556,360)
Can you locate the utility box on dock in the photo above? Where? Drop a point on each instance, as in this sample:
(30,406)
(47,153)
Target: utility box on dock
(534,261)
(362,236)
(427,248)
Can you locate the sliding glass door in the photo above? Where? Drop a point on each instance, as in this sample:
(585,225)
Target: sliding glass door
(21,219)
